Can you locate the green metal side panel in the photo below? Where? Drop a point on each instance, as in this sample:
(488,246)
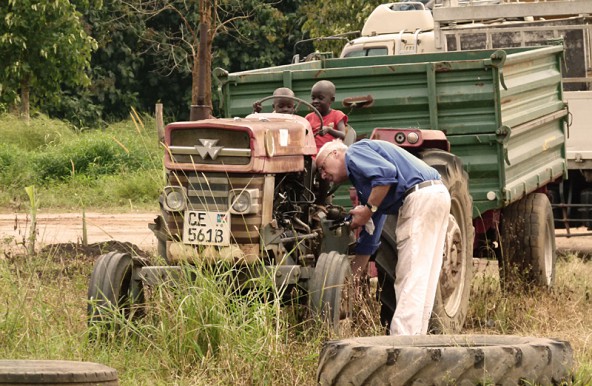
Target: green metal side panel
(504,169)
(501,110)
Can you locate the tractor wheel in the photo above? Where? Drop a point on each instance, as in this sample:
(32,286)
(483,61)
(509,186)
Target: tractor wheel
(452,296)
(161,249)
(56,372)
(527,244)
(113,287)
(445,360)
(330,288)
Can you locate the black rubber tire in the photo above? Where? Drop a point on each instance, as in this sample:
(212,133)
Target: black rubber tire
(54,372)
(454,288)
(445,360)
(330,288)
(528,252)
(386,262)
(112,287)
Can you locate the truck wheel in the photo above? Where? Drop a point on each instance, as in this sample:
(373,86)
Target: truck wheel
(452,296)
(330,288)
(56,372)
(527,243)
(113,288)
(445,360)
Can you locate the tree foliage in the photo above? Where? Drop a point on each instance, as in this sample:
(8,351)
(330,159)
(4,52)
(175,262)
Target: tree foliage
(242,34)
(334,18)
(146,50)
(116,68)
(43,46)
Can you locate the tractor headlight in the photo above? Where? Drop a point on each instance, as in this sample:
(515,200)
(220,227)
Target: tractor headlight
(243,201)
(175,198)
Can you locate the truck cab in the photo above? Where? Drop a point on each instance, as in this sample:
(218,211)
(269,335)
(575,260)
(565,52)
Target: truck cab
(395,29)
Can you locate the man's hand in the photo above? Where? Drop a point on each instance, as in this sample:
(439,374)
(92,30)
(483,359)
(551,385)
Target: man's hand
(360,216)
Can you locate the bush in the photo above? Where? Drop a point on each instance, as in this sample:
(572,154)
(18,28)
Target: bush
(35,135)
(117,166)
(14,167)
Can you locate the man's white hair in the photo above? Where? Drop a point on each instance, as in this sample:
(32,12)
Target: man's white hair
(327,148)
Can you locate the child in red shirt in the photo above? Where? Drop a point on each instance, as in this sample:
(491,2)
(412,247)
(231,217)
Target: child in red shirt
(334,121)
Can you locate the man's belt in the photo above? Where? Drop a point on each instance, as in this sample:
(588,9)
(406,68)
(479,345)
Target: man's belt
(421,185)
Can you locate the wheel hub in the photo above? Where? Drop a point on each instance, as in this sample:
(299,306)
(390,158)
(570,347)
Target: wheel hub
(451,277)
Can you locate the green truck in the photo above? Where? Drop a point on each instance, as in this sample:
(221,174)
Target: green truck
(241,188)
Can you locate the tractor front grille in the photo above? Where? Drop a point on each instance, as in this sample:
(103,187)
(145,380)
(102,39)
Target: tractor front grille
(209,192)
(210,146)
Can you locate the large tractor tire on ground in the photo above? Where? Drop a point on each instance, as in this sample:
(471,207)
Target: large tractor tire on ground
(113,287)
(445,360)
(527,244)
(330,290)
(55,372)
(454,288)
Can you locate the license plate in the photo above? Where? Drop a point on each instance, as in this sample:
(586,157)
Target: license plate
(206,228)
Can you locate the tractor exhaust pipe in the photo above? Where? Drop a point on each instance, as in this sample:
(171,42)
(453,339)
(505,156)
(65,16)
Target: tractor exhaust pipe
(201,111)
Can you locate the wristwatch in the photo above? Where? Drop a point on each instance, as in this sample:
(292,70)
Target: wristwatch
(373,208)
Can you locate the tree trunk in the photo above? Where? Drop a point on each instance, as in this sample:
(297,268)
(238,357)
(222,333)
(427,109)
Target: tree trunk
(25,90)
(206,12)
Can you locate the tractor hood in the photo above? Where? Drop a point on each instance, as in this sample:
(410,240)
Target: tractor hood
(259,143)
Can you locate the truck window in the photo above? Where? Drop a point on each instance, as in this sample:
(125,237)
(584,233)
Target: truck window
(376,51)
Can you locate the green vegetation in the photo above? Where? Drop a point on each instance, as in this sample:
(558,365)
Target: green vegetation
(88,61)
(200,332)
(118,166)
(43,46)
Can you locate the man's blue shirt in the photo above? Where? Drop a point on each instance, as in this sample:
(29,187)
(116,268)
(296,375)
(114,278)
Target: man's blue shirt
(371,163)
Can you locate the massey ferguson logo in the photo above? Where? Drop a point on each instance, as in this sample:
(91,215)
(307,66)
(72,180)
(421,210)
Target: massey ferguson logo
(208,147)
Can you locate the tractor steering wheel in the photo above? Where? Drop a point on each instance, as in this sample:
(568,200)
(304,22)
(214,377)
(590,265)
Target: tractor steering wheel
(314,110)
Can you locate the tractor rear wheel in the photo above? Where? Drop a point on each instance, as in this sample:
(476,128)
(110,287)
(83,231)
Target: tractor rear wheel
(452,296)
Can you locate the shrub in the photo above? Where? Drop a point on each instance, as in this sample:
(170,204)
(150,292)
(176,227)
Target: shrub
(37,134)
(13,166)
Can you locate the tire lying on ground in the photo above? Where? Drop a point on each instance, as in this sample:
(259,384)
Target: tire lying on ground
(445,360)
(56,372)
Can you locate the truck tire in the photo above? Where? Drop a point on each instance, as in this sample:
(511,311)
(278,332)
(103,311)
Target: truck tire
(454,288)
(113,288)
(528,252)
(56,372)
(445,360)
(330,288)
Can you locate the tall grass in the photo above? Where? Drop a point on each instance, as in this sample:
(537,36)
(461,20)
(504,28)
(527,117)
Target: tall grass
(201,331)
(118,166)
(564,312)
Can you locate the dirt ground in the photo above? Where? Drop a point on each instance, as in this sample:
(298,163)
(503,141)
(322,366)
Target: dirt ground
(131,229)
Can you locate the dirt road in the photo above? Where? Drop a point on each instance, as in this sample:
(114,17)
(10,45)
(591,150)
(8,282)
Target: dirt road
(67,228)
(133,228)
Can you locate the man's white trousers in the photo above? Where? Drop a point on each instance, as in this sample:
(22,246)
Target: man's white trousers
(421,232)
